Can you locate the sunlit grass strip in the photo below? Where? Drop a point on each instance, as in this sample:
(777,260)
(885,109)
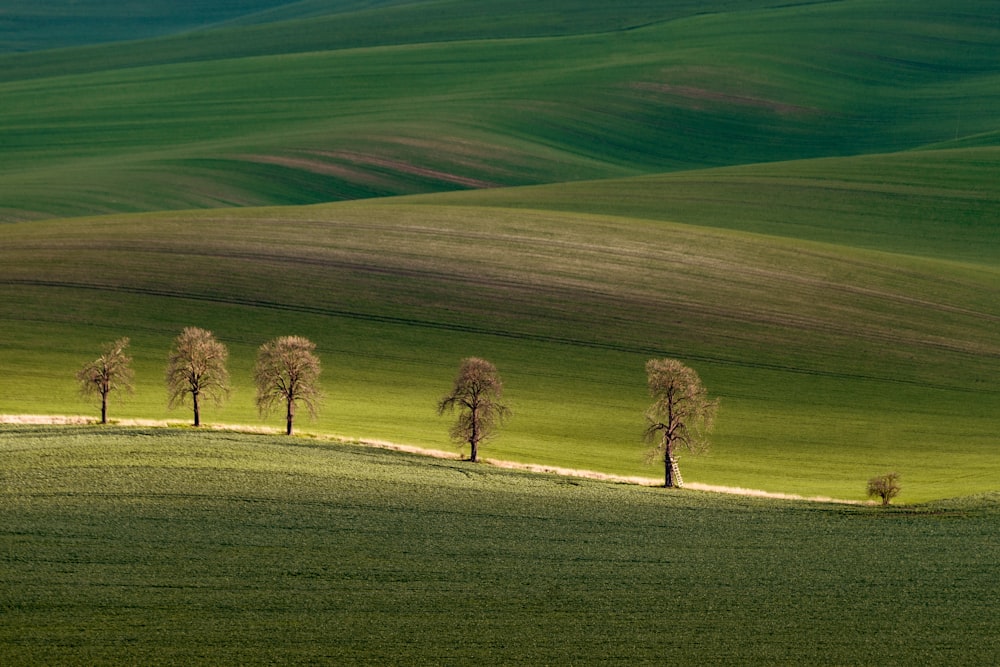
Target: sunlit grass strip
(833,364)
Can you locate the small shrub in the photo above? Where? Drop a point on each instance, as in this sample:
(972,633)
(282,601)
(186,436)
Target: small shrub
(885,487)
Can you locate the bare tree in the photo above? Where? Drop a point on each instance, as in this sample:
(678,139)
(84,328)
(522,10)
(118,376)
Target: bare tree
(287,371)
(110,372)
(196,367)
(477,393)
(681,415)
(885,487)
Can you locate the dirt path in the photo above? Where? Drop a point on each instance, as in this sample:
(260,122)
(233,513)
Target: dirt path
(436,453)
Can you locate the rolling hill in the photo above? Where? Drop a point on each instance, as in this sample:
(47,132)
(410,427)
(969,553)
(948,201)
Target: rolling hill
(840,359)
(365,103)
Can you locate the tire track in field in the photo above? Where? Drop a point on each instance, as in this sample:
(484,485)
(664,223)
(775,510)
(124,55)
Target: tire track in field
(484,331)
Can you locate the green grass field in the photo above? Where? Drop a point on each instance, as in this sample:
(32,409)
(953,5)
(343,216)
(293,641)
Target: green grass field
(170,546)
(799,200)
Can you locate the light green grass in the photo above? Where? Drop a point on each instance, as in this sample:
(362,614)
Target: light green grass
(833,364)
(170,546)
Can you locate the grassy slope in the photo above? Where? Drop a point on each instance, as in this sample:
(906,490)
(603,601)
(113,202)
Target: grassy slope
(166,546)
(742,86)
(837,362)
(940,204)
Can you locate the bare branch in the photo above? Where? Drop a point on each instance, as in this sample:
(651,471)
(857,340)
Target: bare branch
(110,372)
(477,391)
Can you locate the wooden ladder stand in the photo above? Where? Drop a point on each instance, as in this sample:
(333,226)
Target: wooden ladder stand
(675,472)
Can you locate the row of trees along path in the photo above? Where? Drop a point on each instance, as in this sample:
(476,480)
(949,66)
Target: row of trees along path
(287,373)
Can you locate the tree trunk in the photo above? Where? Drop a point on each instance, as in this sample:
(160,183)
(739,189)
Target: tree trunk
(197,409)
(290,415)
(104,408)
(474,439)
(668,468)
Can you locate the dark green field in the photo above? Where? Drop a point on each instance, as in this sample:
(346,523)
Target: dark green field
(169,546)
